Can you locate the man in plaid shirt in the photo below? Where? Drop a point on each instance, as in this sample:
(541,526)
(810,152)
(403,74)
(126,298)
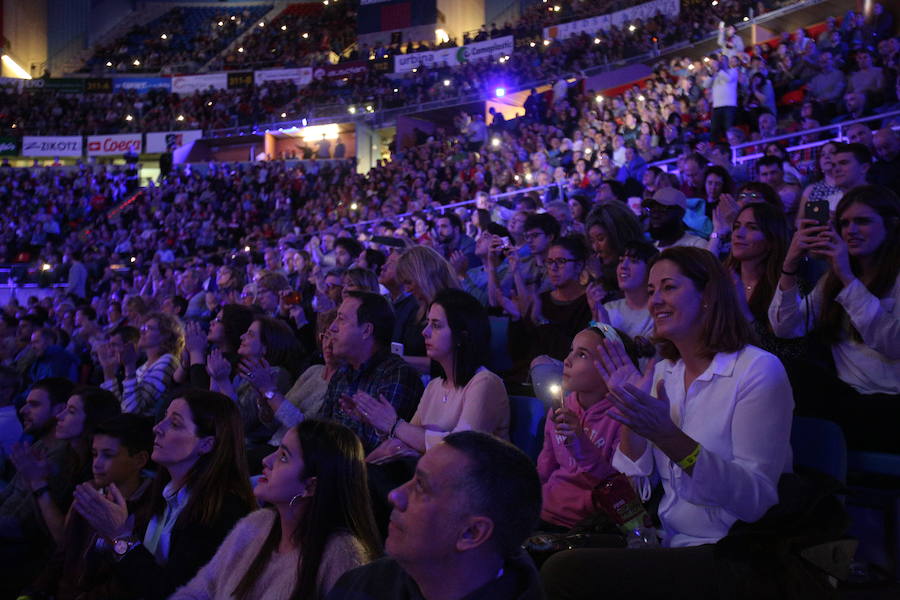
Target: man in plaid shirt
(361,334)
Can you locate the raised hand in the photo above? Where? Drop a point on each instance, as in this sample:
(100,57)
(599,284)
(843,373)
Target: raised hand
(217,366)
(107,515)
(642,413)
(194,339)
(379,413)
(617,369)
(805,239)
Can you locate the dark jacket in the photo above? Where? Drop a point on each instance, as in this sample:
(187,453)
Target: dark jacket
(192,546)
(386,580)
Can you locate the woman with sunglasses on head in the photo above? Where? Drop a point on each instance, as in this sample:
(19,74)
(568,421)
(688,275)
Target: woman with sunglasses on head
(200,491)
(853,309)
(712,421)
(317,526)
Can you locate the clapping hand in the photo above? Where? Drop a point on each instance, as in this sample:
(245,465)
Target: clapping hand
(107,515)
(194,339)
(217,366)
(379,413)
(459,262)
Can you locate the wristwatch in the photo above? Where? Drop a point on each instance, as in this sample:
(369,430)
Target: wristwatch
(269,394)
(122,546)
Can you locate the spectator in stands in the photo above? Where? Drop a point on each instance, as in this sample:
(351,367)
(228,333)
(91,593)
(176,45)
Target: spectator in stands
(145,389)
(824,188)
(10,427)
(771,172)
(705,339)
(121,450)
(544,323)
(856,106)
(848,307)
(827,87)
(361,334)
(609,228)
(868,79)
(25,540)
(729,41)
(424,273)
(267,344)
(886,171)
(269,287)
(78,275)
(629,314)
(666,210)
(457,527)
(319,525)
(724,95)
(346,250)
(580,437)
(851,166)
(201,490)
(451,239)
(50,358)
(225,332)
(860,133)
(304,399)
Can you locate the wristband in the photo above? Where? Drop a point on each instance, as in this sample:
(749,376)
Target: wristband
(690,460)
(394,427)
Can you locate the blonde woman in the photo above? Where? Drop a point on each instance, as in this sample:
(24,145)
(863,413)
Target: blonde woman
(422,272)
(145,389)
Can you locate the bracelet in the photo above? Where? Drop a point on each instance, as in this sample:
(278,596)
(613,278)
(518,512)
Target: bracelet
(690,460)
(394,427)
(41,491)
(789,273)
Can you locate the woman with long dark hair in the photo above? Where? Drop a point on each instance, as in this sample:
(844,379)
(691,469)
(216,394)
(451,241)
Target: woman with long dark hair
(853,310)
(201,490)
(318,524)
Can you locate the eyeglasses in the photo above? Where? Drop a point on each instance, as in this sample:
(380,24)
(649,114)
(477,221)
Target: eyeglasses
(559,262)
(533,235)
(748,196)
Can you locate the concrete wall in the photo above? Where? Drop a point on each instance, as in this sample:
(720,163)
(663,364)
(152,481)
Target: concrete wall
(25,26)
(461,16)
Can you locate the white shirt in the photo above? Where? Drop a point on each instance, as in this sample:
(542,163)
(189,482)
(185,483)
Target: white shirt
(634,322)
(725,88)
(688,239)
(158,537)
(740,411)
(871,366)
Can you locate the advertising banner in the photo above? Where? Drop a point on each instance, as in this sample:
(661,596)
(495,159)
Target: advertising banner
(670,8)
(9,146)
(160,141)
(108,145)
(56,145)
(142,84)
(300,77)
(188,84)
(71,85)
(495,48)
(350,68)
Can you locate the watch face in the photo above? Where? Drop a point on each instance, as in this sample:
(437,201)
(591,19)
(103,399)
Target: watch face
(121,547)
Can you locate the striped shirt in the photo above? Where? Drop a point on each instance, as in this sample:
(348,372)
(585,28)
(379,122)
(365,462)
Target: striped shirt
(147,391)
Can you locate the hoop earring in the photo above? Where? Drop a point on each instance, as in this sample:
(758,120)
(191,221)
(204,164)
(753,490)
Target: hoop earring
(296,496)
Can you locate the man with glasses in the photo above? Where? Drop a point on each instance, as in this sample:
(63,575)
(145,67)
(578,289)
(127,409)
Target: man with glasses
(665,212)
(540,231)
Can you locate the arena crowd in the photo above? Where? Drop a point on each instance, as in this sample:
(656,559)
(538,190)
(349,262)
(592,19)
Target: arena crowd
(287,379)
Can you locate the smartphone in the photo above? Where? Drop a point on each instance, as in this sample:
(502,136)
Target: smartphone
(292,298)
(388,241)
(397,348)
(817,210)
(484,219)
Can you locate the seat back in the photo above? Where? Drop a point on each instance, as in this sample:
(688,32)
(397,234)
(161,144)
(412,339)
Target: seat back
(526,424)
(500,361)
(819,445)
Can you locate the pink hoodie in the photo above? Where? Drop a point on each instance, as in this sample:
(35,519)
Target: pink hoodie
(569,470)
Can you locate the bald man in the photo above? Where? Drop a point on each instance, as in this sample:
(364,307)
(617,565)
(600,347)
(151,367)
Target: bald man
(886,171)
(860,133)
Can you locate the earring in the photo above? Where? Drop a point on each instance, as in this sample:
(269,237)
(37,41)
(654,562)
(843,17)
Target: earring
(296,496)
